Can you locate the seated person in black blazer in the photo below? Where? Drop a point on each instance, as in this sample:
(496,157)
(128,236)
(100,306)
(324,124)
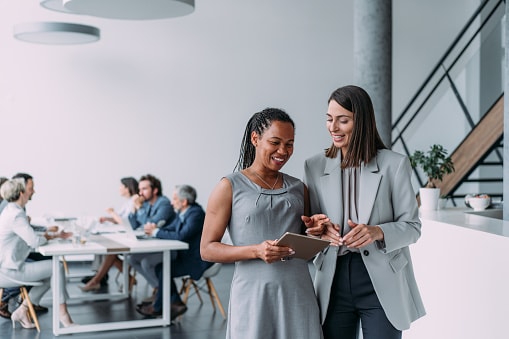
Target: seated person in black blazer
(187,227)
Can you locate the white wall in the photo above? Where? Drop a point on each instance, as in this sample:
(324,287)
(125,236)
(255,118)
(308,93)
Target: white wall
(171,97)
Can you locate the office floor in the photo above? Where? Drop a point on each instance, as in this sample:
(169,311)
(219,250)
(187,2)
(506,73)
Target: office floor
(199,322)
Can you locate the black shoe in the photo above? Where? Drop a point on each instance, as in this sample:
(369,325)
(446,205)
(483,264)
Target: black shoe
(148,311)
(177,309)
(104,280)
(86,279)
(40,309)
(4,310)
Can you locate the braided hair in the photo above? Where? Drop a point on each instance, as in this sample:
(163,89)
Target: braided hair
(258,123)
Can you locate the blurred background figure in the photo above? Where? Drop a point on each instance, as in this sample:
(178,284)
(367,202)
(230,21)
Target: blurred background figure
(102,263)
(10,293)
(17,240)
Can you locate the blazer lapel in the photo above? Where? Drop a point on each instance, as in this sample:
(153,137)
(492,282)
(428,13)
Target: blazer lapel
(331,185)
(370,181)
(180,223)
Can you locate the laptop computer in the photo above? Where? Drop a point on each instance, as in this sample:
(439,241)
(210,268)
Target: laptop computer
(139,233)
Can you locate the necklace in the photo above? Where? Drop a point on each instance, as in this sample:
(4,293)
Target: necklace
(266,183)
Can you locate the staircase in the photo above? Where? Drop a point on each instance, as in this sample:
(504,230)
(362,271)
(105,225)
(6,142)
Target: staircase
(459,108)
(469,155)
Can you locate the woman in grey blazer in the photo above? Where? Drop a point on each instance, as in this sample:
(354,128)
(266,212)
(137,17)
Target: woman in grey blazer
(362,195)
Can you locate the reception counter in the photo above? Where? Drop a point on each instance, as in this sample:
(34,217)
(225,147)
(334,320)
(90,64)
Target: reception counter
(461,264)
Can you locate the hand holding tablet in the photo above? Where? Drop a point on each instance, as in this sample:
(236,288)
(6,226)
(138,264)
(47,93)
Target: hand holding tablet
(305,247)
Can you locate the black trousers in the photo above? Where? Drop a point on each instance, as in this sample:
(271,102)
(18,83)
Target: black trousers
(353,300)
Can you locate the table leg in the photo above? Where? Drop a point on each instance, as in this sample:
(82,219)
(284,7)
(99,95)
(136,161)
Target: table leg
(166,287)
(55,284)
(125,275)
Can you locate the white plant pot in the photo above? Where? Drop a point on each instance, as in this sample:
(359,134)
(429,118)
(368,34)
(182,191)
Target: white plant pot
(429,198)
(441,203)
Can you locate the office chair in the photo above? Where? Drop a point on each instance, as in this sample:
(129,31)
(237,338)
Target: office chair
(210,272)
(6,282)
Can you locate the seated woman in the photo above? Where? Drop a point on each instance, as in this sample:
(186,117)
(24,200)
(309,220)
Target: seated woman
(129,190)
(17,239)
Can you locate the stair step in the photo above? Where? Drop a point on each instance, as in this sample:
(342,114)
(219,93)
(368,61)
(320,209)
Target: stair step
(484,180)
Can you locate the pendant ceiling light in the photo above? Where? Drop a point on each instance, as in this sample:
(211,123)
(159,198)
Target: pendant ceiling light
(123,9)
(56,33)
(56,5)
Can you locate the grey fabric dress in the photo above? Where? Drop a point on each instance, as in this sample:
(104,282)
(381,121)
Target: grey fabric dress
(269,301)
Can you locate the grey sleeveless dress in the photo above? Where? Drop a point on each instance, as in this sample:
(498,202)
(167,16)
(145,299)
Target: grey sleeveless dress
(269,301)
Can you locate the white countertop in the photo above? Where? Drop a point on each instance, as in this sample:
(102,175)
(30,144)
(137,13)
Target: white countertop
(467,217)
(461,264)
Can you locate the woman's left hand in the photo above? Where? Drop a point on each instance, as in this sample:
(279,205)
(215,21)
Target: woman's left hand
(362,235)
(270,252)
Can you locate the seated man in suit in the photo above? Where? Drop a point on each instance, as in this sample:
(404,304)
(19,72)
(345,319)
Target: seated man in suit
(186,227)
(152,209)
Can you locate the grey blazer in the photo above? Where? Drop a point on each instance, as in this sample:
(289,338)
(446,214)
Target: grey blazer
(387,199)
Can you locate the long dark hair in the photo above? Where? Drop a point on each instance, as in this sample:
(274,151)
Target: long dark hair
(258,123)
(131,184)
(365,141)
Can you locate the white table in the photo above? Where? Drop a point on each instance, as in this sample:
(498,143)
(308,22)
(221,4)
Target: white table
(111,244)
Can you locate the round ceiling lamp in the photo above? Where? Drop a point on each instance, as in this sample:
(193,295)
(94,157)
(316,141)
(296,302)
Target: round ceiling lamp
(56,33)
(123,9)
(56,5)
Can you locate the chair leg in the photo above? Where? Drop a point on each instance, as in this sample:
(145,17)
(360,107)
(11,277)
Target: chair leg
(214,296)
(31,310)
(184,284)
(197,290)
(66,267)
(186,287)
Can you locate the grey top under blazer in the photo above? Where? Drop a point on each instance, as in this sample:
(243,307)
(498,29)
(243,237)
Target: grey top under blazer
(387,199)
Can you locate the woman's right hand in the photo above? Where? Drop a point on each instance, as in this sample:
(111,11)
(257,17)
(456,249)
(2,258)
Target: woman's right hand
(333,234)
(269,252)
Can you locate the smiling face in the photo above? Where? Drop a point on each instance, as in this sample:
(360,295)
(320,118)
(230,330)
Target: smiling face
(340,123)
(29,188)
(275,146)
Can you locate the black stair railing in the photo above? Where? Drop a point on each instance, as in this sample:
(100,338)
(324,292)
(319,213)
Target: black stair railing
(446,83)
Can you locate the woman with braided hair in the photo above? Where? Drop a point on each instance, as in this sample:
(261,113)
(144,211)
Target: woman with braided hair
(270,297)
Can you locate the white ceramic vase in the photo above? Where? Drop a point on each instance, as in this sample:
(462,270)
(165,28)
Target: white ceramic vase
(441,203)
(429,198)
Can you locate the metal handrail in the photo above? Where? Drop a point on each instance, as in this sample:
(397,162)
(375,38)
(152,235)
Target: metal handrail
(439,65)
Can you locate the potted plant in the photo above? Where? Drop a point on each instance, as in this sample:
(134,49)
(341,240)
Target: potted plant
(435,164)
(442,201)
